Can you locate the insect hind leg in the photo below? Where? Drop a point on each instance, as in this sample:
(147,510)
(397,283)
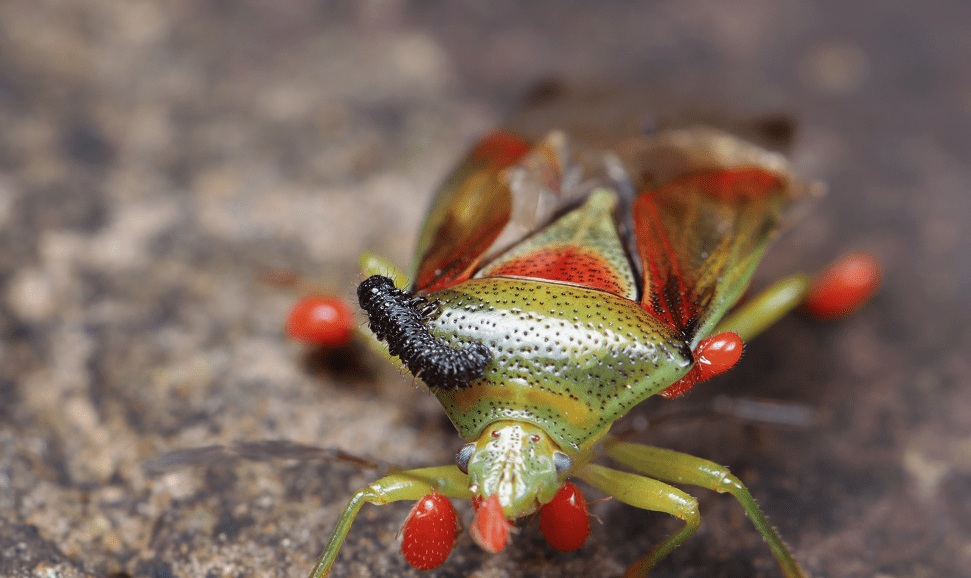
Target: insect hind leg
(676,467)
(763,310)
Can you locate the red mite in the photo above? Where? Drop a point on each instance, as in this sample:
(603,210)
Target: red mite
(714,355)
(429,532)
(565,521)
(844,286)
(325,321)
(489,529)
(555,291)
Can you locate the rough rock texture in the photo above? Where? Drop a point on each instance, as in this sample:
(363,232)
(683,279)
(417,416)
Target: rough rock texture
(174,173)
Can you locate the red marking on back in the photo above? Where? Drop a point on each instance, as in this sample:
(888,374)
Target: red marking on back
(714,355)
(429,532)
(565,521)
(844,286)
(569,264)
(323,321)
(669,297)
(489,529)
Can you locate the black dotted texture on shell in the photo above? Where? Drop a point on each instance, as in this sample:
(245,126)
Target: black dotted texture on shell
(399,318)
(569,359)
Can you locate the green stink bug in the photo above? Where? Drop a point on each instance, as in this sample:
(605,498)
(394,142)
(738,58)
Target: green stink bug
(554,290)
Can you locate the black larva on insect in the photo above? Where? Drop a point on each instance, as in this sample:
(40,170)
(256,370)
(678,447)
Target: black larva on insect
(398,317)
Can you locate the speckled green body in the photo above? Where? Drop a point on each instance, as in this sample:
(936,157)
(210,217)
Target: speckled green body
(592,286)
(569,359)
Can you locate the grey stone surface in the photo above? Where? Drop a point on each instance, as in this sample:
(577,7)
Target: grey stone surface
(174,174)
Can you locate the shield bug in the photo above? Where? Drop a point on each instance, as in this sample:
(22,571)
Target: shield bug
(556,288)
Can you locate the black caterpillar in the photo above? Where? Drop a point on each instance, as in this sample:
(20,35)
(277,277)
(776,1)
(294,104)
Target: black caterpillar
(398,317)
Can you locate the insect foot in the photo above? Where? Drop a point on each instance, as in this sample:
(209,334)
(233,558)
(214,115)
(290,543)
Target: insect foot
(398,318)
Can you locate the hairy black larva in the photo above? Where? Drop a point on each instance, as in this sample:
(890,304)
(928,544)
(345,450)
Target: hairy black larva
(398,317)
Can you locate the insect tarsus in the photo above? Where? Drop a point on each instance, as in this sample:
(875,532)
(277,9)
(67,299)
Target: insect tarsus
(398,317)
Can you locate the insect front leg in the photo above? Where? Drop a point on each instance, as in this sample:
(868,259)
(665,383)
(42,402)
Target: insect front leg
(648,494)
(672,466)
(406,485)
(372,264)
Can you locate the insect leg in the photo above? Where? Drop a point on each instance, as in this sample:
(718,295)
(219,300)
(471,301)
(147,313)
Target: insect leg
(406,485)
(648,494)
(757,314)
(372,264)
(840,289)
(672,466)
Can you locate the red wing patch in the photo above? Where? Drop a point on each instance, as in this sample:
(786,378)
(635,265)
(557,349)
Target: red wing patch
(581,247)
(699,237)
(567,264)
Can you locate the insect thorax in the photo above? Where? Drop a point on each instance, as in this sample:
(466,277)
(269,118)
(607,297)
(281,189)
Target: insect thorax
(569,359)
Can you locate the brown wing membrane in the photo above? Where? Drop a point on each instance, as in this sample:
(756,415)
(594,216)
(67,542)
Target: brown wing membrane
(503,192)
(471,210)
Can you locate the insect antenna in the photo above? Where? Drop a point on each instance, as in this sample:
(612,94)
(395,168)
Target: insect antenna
(765,411)
(749,410)
(263,451)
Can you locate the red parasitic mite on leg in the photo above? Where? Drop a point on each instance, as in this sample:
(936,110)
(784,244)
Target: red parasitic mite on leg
(844,286)
(429,532)
(489,528)
(714,355)
(321,320)
(565,521)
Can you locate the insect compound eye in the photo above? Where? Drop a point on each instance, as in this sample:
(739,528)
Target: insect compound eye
(462,458)
(562,462)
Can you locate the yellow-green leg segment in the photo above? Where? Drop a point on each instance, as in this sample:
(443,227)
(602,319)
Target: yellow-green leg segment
(760,312)
(676,467)
(647,494)
(372,264)
(406,485)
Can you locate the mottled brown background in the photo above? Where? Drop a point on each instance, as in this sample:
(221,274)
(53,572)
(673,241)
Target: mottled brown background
(165,164)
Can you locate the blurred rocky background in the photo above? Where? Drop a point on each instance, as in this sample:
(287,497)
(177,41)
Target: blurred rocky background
(174,174)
